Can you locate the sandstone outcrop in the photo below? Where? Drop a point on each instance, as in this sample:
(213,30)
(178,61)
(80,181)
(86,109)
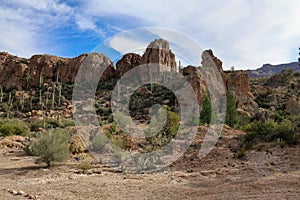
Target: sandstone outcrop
(236,81)
(158,53)
(195,79)
(127,62)
(39,69)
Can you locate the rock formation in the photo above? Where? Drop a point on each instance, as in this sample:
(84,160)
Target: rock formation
(236,81)
(159,53)
(195,79)
(268,70)
(21,72)
(31,72)
(127,62)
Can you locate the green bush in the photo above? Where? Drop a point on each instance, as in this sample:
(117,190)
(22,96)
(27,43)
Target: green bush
(164,134)
(66,123)
(241,153)
(285,132)
(7,129)
(84,167)
(231,113)
(270,131)
(52,146)
(98,142)
(14,127)
(42,123)
(49,123)
(205,115)
(122,119)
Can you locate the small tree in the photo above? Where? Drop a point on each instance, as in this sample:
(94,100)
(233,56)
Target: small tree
(231,114)
(205,115)
(52,146)
(232,68)
(299,57)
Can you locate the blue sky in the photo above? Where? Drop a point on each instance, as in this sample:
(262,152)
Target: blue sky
(242,33)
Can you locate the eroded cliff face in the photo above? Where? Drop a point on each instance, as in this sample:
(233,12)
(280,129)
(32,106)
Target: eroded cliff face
(236,81)
(239,83)
(161,56)
(22,72)
(127,62)
(196,80)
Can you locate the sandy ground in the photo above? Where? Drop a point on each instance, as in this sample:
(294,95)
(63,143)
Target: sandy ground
(272,174)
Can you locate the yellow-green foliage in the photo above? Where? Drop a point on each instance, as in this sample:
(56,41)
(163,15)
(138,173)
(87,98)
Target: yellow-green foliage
(14,127)
(270,131)
(52,146)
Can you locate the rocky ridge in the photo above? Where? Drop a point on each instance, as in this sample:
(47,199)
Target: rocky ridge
(46,69)
(268,70)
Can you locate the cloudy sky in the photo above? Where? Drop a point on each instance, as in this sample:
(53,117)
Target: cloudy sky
(242,33)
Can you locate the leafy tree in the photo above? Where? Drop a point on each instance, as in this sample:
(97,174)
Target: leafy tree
(52,146)
(231,113)
(205,115)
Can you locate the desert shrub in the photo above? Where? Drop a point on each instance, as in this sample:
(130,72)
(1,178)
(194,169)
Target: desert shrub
(66,123)
(165,134)
(121,141)
(14,127)
(43,123)
(241,153)
(52,146)
(285,132)
(259,131)
(84,167)
(48,123)
(7,129)
(113,127)
(103,111)
(122,119)
(270,131)
(98,142)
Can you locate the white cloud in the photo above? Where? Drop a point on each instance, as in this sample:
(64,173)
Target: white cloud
(126,44)
(242,33)
(25,25)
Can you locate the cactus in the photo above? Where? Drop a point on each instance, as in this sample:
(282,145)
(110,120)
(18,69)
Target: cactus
(30,102)
(47,96)
(57,77)
(59,93)
(41,80)
(22,101)
(53,97)
(10,101)
(28,77)
(179,65)
(1,94)
(40,96)
(151,83)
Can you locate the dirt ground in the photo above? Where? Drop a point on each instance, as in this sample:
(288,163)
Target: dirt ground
(271,174)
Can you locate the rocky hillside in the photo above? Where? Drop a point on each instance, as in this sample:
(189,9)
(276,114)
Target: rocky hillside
(38,78)
(269,70)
